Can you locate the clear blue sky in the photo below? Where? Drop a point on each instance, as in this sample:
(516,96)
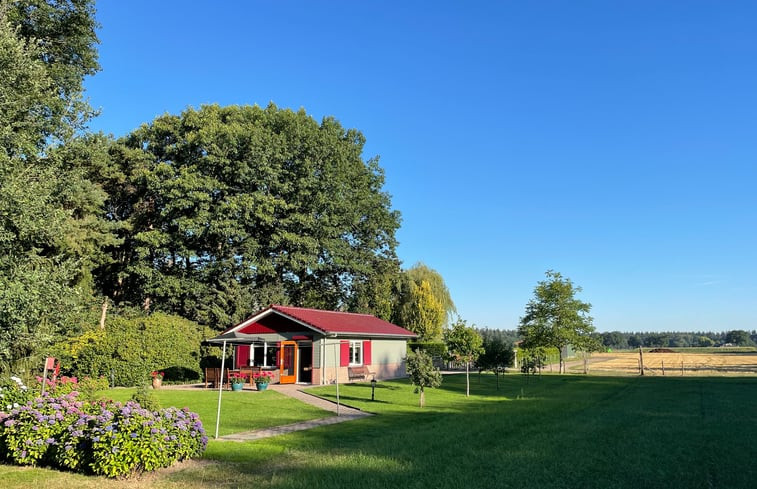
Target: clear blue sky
(614,142)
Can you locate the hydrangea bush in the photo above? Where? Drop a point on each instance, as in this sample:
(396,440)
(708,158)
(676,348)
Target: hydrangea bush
(100,437)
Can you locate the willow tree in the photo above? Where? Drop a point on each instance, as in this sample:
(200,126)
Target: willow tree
(424,304)
(228,209)
(556,318)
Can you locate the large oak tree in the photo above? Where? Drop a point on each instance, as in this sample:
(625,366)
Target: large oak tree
(227,209)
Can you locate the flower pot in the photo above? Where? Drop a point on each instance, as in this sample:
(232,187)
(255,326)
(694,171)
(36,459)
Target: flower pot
(156,383)
(261,386)
(237,387)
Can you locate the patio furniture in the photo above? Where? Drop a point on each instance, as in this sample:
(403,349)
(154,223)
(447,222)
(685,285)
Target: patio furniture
(361,373)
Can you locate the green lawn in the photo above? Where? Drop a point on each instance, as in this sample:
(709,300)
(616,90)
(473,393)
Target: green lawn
(240,411)
(548,432)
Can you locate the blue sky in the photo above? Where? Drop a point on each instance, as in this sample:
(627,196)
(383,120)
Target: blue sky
(614,142)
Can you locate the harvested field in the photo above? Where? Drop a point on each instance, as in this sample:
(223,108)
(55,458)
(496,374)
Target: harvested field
(674,363)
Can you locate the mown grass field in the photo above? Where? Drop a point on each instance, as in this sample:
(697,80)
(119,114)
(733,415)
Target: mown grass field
(549,432)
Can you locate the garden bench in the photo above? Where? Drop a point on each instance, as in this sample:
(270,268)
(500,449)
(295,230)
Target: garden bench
(360,372)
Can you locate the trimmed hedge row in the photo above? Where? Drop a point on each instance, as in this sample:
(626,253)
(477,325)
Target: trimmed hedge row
(133,346)
(98,437)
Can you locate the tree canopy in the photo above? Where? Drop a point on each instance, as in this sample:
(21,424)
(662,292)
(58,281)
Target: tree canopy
(464,344)
(50,227)
(422,373)
(556,318)
(424,304)
(224,210)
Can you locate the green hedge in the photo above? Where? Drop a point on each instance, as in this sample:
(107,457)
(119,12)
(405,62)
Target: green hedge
(132,347)
(433,348)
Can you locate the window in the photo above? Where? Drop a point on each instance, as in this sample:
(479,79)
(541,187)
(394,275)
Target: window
(356,352)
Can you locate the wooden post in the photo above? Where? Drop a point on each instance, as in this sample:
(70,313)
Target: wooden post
(641,361)
(663,368)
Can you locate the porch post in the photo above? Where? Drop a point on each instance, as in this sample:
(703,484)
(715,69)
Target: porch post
(220,387)
(265,353)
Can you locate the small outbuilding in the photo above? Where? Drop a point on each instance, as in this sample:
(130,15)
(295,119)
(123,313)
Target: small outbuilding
(312,346)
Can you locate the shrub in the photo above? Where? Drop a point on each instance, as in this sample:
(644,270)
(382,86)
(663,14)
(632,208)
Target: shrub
(106,438)
(146,398)
(29,431)
(133,346)
(13,393)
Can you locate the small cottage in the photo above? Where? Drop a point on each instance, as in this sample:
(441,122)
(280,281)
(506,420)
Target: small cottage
(313,346)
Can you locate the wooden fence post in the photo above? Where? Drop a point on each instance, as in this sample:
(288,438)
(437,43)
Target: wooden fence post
(641,361)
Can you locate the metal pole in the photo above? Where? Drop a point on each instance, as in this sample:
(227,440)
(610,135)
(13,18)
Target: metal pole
(336,366)
(220,388)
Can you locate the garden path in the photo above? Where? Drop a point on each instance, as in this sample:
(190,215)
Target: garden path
(296,391)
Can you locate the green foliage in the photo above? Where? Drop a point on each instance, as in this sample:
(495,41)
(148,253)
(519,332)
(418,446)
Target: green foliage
(132,347)
(50,222)
(227,209)
(145,397)
(555,318)
(739,338)
(436,349)
(497,354)
(13,393)
(422,313)
(423,303)
(422,373)
(105,438)
(532,360)
(464,344)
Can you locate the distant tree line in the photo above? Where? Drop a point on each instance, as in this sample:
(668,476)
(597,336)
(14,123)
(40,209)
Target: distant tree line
(672,339)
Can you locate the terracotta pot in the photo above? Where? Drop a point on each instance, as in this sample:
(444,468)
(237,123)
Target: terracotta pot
(156,383)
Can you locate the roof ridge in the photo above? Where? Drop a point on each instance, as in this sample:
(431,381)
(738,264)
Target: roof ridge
(324,310)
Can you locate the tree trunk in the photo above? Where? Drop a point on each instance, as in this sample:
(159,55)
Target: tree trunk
(103,314)
(562,362)
(467,379)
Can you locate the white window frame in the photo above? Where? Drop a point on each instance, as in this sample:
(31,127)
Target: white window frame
(356,361)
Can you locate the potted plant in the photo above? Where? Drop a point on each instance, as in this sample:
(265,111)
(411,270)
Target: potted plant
(157,379)
(237,380)
(262,379)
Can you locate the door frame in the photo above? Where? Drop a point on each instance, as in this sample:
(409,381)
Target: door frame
(288,379)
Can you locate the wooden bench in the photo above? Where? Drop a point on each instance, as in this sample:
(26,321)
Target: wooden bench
(361,372)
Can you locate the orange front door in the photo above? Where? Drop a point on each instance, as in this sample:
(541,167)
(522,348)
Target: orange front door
(288,362)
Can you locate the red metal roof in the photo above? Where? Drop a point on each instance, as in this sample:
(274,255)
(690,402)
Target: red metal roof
(341,322)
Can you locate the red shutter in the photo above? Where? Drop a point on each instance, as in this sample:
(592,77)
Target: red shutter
(243,355)
(344,356)
(366,353)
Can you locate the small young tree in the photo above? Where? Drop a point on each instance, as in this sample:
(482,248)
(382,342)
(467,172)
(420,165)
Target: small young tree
(556,318)
(422,373)
(497,355)
(465,345)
